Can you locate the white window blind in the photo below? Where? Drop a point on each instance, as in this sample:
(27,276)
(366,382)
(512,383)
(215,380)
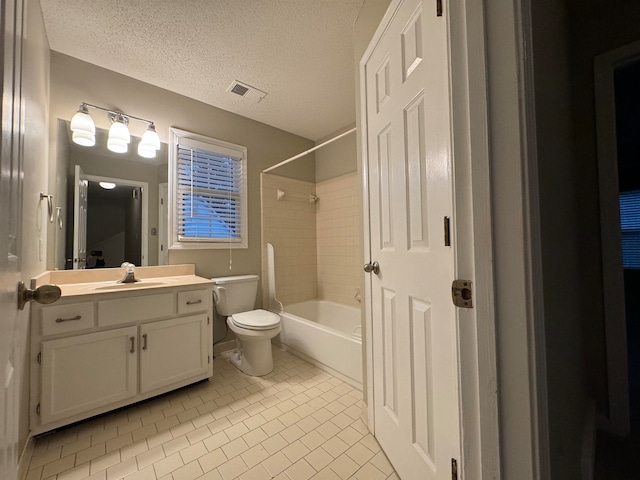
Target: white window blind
(630,228)
(209,192)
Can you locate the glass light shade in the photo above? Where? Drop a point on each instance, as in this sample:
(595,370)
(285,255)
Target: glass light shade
(84,139)
(117,145)
(146,151)
(119,131)
(83,123)
(107,185)
(150,139)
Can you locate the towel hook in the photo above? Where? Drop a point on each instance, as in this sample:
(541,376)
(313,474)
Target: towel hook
(49,205)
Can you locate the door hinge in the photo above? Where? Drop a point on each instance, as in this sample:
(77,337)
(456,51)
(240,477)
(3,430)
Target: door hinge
(208,359)
(39,358)
(462,293)
(454,469)
(38,409)
(438,8)
(208,320)
(447,232)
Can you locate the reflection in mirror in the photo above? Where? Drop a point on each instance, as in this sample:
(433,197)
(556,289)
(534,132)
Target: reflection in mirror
(107,226)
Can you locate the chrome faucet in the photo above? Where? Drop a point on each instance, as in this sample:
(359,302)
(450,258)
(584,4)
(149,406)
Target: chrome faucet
(129,273)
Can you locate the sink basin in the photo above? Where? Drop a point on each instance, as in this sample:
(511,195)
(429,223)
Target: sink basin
(128,286)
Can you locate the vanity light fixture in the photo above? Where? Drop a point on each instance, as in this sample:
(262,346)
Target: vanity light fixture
(107,185)
(84,131)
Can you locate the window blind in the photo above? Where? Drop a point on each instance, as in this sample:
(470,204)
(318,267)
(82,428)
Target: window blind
(209,194)
(630,228)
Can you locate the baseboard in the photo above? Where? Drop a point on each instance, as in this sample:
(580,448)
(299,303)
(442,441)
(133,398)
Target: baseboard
(587,462)
(25,458)
(223,347)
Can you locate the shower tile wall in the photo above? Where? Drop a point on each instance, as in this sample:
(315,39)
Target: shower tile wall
(289,225)
(338,225)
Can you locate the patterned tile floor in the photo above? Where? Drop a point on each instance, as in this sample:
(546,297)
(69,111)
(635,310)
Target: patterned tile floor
(296,423)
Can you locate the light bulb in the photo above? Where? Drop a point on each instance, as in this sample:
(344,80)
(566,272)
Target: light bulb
(119,131)
(117,145)
(150,138)
(146,151)
(107,185)
(83,139)
(83,127)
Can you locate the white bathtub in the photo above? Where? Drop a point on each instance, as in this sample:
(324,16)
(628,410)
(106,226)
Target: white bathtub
(327,334)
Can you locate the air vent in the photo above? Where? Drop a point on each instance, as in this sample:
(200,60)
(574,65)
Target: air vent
(246,91)
(239,90)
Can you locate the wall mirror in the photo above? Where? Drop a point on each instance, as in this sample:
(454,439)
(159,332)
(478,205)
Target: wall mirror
(115,207)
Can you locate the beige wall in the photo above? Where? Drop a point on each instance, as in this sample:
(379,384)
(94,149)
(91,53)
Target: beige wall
(290,226)
(338,158)
(34,211)
(74,81)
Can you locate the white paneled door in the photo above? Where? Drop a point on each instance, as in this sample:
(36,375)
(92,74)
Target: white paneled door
(80,202)
(11,25)
(415,350)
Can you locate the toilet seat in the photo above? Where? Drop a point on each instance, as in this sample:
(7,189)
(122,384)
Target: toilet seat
(256,320)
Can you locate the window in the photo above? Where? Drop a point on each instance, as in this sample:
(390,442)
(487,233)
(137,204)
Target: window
(208,191)
(630,227)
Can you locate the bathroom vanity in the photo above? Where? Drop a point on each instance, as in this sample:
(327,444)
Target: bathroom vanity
(104,345)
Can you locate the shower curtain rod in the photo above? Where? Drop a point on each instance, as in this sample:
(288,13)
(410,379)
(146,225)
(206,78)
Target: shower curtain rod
(306,152)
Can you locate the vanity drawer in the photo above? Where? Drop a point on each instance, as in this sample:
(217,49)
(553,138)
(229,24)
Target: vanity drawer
(135,309)
(194,301)
(67,318)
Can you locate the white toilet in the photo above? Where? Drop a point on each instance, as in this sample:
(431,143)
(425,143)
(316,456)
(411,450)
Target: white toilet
(235,298)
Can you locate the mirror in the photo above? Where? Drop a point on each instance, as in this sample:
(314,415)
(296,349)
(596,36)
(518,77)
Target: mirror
(113,210)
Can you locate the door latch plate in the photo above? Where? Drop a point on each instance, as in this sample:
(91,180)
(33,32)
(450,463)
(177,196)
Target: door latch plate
(462,293)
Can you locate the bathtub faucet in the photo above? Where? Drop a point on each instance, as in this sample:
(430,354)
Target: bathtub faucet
(129,273)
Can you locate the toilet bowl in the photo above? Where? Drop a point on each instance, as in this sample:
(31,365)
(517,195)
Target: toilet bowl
(254,329)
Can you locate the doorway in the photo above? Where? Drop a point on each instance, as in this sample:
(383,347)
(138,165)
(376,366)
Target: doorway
(618,117)
(116,222)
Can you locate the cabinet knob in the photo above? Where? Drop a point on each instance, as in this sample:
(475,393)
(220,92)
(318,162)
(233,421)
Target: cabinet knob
(43,294)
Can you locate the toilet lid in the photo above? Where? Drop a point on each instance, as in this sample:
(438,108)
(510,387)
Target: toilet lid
(256,320)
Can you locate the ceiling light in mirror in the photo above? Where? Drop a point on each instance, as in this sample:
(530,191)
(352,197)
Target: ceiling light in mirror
(107,185)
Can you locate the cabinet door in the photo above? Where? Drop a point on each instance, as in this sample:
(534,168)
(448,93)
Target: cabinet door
(84,372)
(172,351)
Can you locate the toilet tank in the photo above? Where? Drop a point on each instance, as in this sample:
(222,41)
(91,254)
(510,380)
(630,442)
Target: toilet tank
(235,294)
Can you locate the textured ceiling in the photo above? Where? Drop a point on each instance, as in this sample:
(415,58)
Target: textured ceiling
(298,51)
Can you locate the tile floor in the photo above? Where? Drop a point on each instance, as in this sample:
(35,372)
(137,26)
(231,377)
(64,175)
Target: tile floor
(296,423)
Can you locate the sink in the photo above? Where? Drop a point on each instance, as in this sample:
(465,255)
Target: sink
(128,286)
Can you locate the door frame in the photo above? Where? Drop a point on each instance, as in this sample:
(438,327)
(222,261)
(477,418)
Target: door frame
(497,240)
(618,420)
(144,221)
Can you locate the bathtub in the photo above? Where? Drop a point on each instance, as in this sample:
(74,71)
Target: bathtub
(325,333)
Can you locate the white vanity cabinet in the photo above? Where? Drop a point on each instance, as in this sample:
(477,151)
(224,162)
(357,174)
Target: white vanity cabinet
(93,353)
(164,360)
(84,372)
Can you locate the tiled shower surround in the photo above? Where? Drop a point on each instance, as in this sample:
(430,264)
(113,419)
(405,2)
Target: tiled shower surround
(316,245)
(338,227)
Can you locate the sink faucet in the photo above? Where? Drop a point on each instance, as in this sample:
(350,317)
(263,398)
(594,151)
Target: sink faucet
(129,273)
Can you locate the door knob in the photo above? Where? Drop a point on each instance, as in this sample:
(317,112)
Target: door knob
(372,267)
(43,294)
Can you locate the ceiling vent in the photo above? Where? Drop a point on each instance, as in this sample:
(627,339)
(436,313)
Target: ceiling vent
(246,91)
